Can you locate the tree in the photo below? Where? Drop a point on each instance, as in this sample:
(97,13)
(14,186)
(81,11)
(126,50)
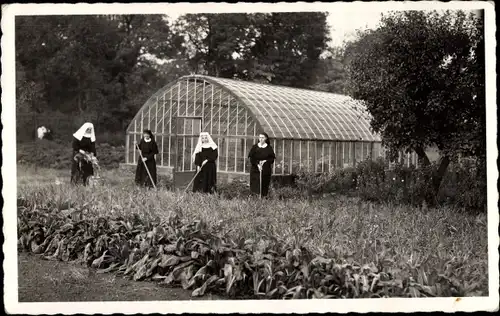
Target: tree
(331,75)
(288,45)
(213,41)
(94,65)
(421,77)
(278,48)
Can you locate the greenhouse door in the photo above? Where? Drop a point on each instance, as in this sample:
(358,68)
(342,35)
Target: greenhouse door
(187,131)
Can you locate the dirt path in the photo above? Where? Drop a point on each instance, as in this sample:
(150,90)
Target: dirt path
(54,281)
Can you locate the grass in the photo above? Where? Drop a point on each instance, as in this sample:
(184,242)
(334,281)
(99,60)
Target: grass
(415,242)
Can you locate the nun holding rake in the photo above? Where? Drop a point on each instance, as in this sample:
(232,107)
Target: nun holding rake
(262,158)
(145,173)
(204,157)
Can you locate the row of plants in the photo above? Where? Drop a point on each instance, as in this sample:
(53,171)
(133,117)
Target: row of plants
(182,251)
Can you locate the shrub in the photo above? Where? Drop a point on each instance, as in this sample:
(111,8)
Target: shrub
(233,190)
(370,179)
(285,193)
(342,180)
(464,184)
(58,154)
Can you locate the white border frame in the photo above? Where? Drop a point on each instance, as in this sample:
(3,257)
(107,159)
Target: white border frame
(9,173)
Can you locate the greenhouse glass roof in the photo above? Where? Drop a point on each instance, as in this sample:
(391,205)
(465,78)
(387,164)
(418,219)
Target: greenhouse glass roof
(286,112)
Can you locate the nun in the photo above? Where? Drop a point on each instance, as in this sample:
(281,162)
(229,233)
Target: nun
(83,154)
(148,149)
(204,157)
(261,157)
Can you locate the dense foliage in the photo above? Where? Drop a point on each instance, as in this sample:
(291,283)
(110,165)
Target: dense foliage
(80,65)
(277,48)
(58,155)
(422,78)
(102,68)
(335,248)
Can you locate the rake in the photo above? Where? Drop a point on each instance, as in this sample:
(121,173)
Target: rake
(260,178)
(190,182)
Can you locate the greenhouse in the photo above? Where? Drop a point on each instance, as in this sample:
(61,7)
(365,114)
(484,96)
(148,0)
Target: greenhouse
(309,130)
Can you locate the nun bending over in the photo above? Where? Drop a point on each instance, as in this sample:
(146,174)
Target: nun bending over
(84,154)
(261,157)
(149,149)
(204,157)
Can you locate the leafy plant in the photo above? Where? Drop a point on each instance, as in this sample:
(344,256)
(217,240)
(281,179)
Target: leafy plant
(421,77)
(274,249)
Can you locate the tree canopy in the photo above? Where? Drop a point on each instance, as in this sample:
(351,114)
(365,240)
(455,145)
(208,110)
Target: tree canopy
(421,76)
(104,67)
(84,64)
(277,48)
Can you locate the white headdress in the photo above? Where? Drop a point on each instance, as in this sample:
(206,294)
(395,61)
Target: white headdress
(83,132)
(200,145)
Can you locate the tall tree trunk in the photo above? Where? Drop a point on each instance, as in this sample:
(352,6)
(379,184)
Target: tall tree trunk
(438,176)
(422,156)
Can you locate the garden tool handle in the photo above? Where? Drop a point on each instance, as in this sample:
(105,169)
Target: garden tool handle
(145,166)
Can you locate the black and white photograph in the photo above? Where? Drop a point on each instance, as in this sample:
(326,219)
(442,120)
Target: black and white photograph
(220,158)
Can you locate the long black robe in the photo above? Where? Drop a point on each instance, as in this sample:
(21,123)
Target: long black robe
(148,150)
(81,170)
(257,154)
(206,180)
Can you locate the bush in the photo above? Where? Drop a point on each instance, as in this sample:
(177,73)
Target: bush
(285,193)
(236,189)
(58,154)
(343,181)
(464,185)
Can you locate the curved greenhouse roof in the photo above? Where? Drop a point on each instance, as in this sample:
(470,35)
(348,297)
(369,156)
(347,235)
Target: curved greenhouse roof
(285,112)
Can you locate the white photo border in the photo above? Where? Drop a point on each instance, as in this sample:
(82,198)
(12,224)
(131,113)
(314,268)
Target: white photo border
(9,175)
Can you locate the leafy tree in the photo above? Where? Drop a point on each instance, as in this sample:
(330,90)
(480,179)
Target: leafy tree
(212,40)
(94,65)
(278,48)
(421,76)
(287,47)
(331,75)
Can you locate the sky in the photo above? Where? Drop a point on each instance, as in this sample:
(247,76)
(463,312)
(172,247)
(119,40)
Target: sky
(344,25)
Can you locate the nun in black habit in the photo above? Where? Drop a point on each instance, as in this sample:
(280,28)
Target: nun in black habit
(261,157)
(84,153)
(149,149)
(204,157)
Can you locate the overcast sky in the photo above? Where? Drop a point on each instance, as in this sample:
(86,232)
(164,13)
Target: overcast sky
(344,24)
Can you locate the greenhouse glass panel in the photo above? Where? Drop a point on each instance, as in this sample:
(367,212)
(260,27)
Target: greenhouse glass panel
(309,130)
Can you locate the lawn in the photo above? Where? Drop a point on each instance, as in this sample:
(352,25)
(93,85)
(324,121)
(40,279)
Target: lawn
(338,247)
